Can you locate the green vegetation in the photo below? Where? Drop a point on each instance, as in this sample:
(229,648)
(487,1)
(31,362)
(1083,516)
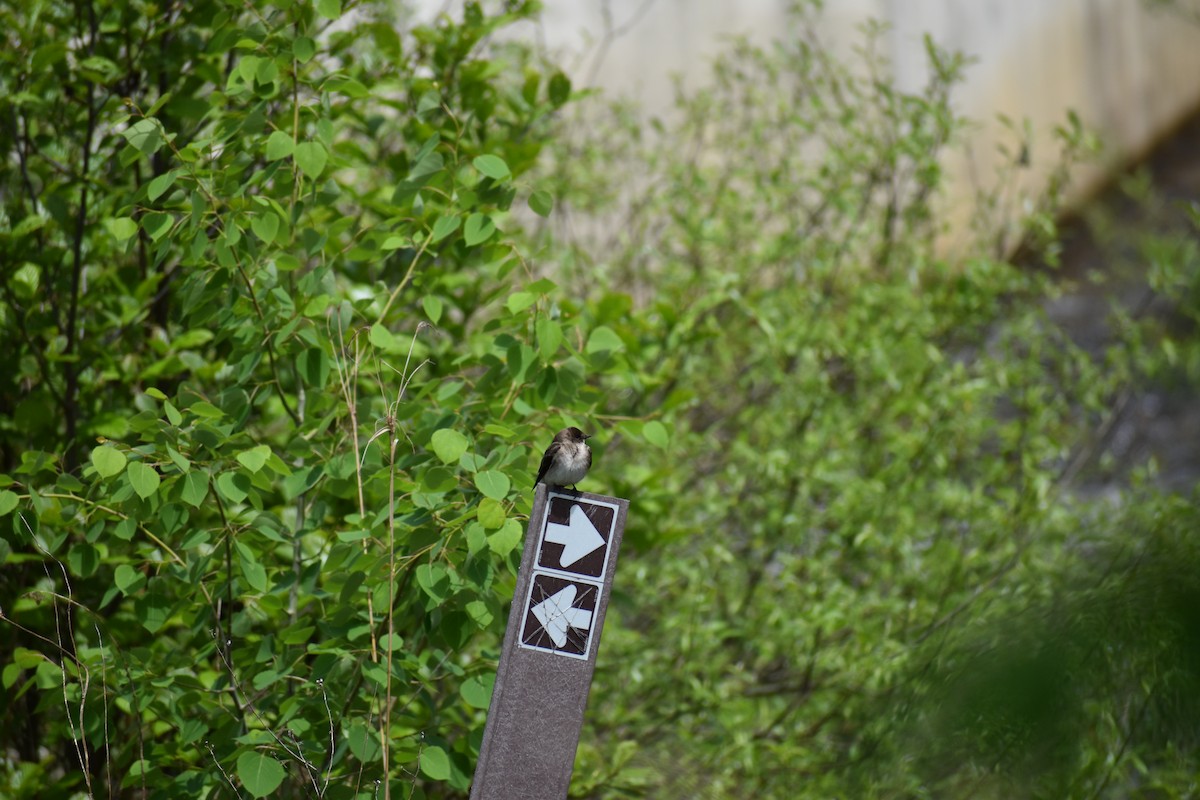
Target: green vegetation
(292,303)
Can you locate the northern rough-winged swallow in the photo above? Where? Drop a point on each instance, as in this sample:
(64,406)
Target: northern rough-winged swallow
(567,459)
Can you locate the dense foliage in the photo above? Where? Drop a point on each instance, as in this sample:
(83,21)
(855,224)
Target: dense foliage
(877,572)
(273,376)
(293,296)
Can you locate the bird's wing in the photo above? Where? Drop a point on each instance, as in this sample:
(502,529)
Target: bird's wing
(547,461)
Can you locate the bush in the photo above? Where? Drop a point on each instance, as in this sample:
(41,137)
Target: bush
(276,378)
(876,462)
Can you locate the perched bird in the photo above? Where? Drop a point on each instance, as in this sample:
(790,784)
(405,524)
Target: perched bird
(567,459)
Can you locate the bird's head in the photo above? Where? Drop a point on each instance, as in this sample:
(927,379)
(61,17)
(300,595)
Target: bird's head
(572,434)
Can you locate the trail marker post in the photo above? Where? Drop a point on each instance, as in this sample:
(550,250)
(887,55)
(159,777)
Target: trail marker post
(550,645)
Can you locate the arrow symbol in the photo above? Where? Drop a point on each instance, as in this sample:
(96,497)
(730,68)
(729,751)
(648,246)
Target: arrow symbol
(556,615)
(578,537)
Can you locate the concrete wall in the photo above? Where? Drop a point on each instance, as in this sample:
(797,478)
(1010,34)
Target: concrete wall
(1131,72)
(1129,68)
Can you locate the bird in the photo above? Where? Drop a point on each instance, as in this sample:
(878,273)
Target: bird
(567,459)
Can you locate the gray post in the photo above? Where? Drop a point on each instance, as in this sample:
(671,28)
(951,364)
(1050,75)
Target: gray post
(550,645)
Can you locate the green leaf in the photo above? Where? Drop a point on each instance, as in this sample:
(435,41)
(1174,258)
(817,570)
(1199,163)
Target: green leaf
(439,479)
(604,339)
(266,678)
(547,385)
(179,459)
(519,301)
(490,513)
(260,774)
(433,308)
(128,579)
(25,658)
(153,611)
(30,224)
(303,49)
(492,166)
(499,430)
(542,203)
(195,487)
(122,228)
(477,691)
(205,409)
(83,559)
(476,538)
(125,528)
(157,225)
(435,763)
(519,358)
(363,741)
(448,444)
(311,158)
(107,460)
(99,69)
(8,501)
(247,67)
(429,101)
(265,225)
(329,9)
(427,165)
(267,71)
(479,229)
(348,86)
(314,367)
(656,434)
(27,278)
(143,478)
(157,187)
(296,634)
(279,145)
(444,227)
(492,483)
(254,458)
(233,486)
(432,578)
(504,540)
(549,337)
(479,611)
(191,338)
(145,135)
(255,573)
(382,338)
(559,89)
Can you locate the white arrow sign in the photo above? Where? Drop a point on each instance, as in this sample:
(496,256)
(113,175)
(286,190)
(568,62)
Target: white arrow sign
(556,615)
(578,537)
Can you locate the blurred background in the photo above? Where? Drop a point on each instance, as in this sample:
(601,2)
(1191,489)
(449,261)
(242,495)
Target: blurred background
(1126,67)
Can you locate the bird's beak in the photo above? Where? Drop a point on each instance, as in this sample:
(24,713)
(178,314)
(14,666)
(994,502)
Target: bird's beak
(587,436)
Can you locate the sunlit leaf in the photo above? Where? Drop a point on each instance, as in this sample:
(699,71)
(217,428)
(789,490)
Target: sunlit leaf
(143,478)
(492,166)
(260,774)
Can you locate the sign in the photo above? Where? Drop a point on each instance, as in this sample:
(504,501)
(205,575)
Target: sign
(550,646)
(554,622)
(572,558)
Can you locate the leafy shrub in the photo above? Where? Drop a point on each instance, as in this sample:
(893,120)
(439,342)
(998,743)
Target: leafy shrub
(876,454)
(275,378)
